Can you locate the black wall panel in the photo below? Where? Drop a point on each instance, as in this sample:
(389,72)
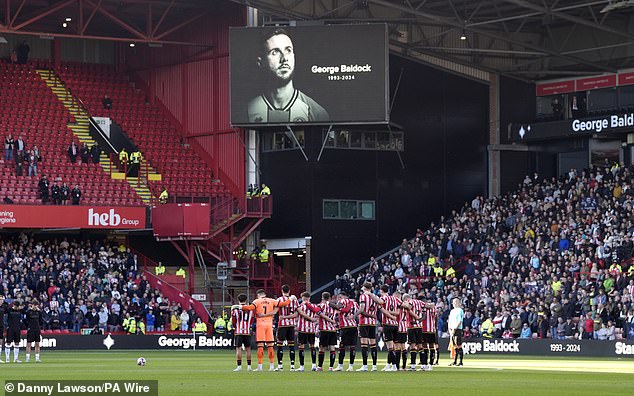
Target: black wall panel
(445,121)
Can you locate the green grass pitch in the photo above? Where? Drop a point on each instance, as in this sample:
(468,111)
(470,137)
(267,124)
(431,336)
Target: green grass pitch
(205,373)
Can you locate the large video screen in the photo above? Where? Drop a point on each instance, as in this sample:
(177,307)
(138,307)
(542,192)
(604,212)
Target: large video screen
(334,74)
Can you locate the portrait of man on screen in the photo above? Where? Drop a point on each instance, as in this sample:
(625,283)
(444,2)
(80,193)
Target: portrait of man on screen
(281,101)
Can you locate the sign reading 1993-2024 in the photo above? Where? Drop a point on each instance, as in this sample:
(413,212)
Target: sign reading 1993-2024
(572,127)
(542,347)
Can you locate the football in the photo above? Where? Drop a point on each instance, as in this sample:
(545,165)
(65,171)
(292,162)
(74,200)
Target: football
(140,361)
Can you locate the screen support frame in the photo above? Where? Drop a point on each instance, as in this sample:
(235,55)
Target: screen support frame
(323,144)
(288,127)
(389,127)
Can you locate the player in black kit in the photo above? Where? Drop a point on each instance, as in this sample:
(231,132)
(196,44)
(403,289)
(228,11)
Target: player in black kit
(33,321)
(14,325)
(4,307)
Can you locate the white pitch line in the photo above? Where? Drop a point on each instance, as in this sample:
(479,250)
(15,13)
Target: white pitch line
(624,367)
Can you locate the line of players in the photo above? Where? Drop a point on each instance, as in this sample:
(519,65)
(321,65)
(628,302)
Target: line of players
(342,320)
(18,314)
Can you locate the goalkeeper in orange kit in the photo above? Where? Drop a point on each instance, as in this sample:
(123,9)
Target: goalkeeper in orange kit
(265,309)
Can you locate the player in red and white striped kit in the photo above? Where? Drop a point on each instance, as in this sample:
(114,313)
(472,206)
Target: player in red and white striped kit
(415,327)
(368,306)
(327,331)
(286,320)
(390,312)
(400,349)
(308,316)
(348,310)
(242,322)
(430,336)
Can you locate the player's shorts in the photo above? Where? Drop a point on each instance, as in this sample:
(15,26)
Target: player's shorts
(389,333)
(430,338)
(33,336)
(306,338)
(415,336)
(13,335)
(327,338)
(349,336)
(242,340)
(367,332)
(264,334)
(401,338)
(457,337)
(286,334)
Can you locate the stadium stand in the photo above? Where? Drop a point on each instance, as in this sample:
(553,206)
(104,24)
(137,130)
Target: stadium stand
(31,110)
(553,250)
(183,172)
(74,279)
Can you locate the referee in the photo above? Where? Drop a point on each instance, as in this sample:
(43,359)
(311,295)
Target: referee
(14,325)
(33,334)
(456,317)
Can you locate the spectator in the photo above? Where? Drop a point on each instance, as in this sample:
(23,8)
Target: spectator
(526,331)
(56,195)
(32,160)
(516,326)
(75,194)
(19,163)
(65,194)
(113,321)
(9,145)
(95,153)
(150,320)
(73,151)
(84,153)
(19,145)
(103,319)
(107,102)
(22,52)
(78,319)
(42,187)
(175,322)
(184,320)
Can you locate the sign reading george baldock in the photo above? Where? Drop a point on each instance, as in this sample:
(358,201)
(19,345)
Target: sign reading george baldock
(613,123)
(92,217)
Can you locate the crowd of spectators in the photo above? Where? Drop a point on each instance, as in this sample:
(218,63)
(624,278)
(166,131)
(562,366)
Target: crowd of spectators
(551,260)
(24,158)
(88,285)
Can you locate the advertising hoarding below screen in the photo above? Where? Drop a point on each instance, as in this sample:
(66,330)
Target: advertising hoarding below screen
(90,217)
(178,220)
(333,74)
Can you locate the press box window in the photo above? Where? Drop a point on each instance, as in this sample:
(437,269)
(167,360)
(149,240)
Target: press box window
(348,209)
(282,141)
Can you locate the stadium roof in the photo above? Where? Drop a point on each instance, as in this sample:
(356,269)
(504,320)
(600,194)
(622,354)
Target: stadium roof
(140,21)
(527,39)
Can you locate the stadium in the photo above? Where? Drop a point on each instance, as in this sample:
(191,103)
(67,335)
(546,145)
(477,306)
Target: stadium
(306,196)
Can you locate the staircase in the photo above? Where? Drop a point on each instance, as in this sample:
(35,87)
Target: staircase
(141,188)
(81,129)
(206,282)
